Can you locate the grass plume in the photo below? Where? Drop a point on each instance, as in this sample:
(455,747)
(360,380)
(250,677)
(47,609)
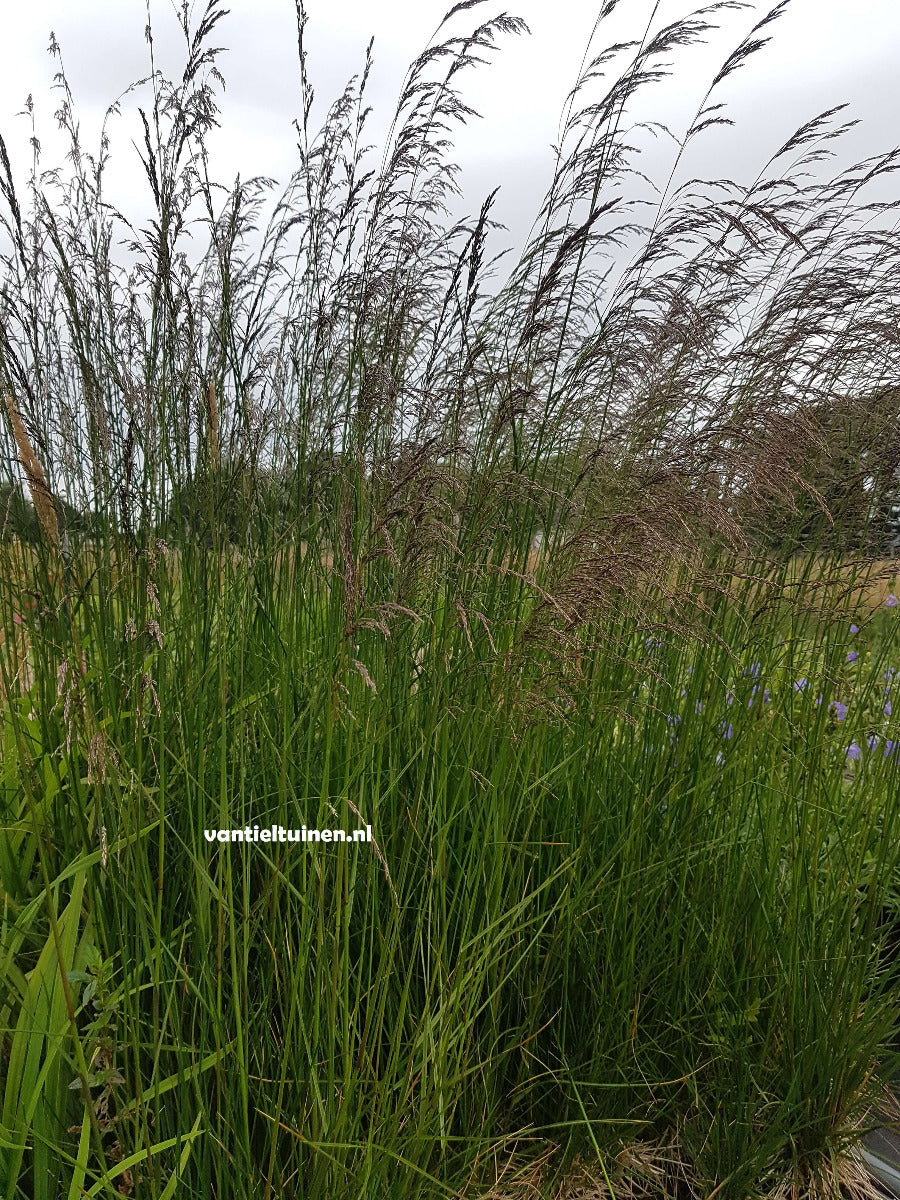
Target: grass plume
(40,494)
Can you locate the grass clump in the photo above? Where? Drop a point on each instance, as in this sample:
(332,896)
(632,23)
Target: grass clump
(558,583)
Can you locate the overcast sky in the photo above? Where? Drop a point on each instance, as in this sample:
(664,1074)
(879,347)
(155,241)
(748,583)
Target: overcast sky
(823,52)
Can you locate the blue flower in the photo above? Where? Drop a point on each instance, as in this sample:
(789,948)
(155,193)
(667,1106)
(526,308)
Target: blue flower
(852,656)
(840,710)
(727,730)
(800,685)
(853,751)
(891,601)
(888,708)
(854,629)
(872,741)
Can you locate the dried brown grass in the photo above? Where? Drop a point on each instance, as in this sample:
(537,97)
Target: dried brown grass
(41,496)
(658,1170)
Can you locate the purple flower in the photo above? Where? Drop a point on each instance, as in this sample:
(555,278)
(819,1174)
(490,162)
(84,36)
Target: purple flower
(854,629)
(872,741)
(889,747)
(720,759)
(891,601)
(767,695)
(888,709)
(800,685)
(852,656)
(727,730)
(754,670)
(853,751)
(840,710)
(672,718)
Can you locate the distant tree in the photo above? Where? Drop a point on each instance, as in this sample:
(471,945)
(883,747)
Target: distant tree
(19,519)
(851,480)
(234,502)
(17,515)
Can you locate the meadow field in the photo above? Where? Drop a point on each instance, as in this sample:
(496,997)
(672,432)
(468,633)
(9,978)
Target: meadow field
(570,580)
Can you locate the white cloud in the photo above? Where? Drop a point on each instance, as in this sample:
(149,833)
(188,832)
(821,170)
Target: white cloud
(822,52)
